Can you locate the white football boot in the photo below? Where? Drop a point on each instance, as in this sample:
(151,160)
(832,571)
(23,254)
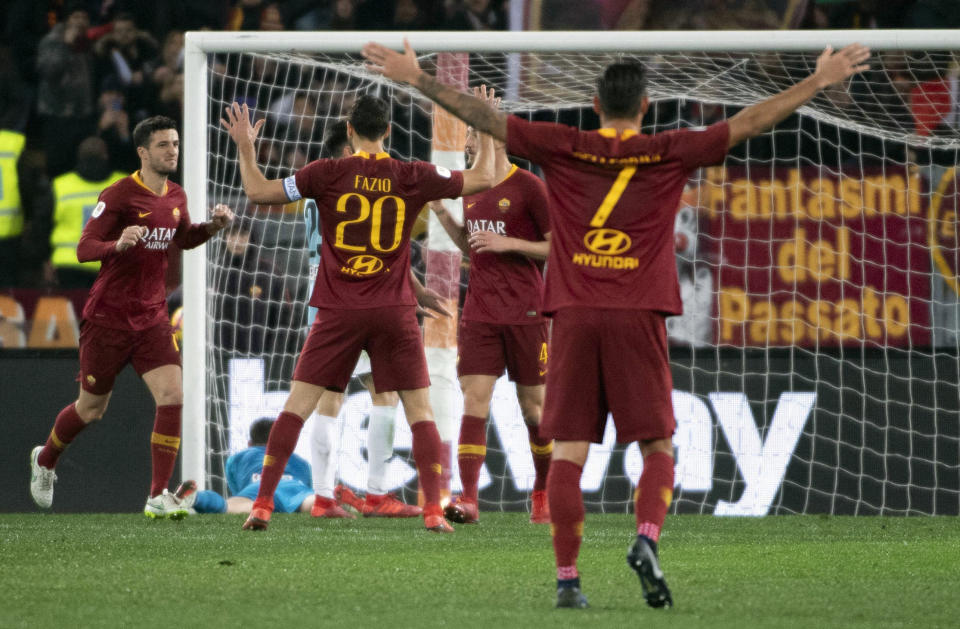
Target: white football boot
(165,505)
(41,481)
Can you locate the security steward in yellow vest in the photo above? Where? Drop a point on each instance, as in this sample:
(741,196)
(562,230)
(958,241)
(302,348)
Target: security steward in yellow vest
(11,207)
(75,196)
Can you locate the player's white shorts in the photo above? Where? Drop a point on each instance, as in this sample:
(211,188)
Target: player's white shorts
(363,365)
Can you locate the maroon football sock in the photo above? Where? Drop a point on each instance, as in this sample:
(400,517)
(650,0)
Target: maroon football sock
(654,493)
(280,445)
(426,454)
(471,451)
(65,429)
(164,443)
(445,476)
(541,449)
(566,511)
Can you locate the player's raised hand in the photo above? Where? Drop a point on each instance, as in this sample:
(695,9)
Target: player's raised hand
(400,67)
(833,67)
(221,217)
(487,95)
(237,124)
(489,242)
(130,236)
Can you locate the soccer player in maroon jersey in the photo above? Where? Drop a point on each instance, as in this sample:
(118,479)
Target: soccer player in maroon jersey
(612,278)
(125,317)
(367,205)
(505,233)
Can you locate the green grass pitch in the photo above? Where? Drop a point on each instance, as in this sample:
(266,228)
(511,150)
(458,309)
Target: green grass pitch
(788,571)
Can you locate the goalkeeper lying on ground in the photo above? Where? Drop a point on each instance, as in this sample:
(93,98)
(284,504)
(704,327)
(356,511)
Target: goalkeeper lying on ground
(293,493)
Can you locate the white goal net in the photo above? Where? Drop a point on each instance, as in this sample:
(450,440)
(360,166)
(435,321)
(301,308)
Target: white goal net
(816,364)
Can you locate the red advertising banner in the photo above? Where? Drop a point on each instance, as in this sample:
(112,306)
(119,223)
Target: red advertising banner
(812,258)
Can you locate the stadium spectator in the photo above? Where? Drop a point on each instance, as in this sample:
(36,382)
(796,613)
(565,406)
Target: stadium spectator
(252,15)
(252,296)
(65,96)
(75,196)
(351,283)
(125,317)
(12,186)
(127,56)
(613,278)
(25,22)
(843,14)
(474,15)
(243,472)
(14,92)
(113,127)
(168,77)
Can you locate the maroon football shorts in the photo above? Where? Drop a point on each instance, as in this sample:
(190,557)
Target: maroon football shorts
(485,349)
(390,335)
(104,352)
(608,360)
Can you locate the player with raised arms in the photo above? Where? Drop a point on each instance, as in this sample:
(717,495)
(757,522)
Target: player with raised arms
(367,204)
(125,317)
(325,436)
(612,277)
(505,233)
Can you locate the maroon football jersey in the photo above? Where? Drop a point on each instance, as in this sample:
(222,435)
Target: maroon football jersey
(129,292)
(506,288)
(613,202)
(368,205)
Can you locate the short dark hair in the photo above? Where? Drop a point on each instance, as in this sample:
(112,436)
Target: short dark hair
(260,431)
(124,17)
(621,89)
(146,128)
(370,116)
(335,138)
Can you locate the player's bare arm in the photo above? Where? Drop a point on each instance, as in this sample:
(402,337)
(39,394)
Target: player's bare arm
(130,236)
(490,242)
(404,68)
(221,217)
(832,67)
(258,188)
(482,174)
(456,231)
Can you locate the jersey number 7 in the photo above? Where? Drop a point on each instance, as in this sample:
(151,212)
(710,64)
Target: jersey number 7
(616,191)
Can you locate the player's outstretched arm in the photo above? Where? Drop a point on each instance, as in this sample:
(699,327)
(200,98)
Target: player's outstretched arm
(404,68)
(258,188)
(482,173)
(487,241)
(456,231)
(832,67)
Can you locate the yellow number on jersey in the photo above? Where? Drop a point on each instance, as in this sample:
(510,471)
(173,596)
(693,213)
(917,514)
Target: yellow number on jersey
(616,191)
(376,222)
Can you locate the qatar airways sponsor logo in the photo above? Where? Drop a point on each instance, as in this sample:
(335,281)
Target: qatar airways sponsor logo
(483,225)
(158,238)
(761,459)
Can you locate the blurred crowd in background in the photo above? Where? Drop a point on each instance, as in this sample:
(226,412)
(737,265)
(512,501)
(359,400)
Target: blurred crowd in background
(77,75)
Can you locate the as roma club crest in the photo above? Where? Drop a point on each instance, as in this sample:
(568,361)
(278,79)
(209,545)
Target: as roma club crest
(504,204)
(176,213)
(942,228)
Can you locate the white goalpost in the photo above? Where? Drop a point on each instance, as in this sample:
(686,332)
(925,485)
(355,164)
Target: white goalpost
(817,363)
